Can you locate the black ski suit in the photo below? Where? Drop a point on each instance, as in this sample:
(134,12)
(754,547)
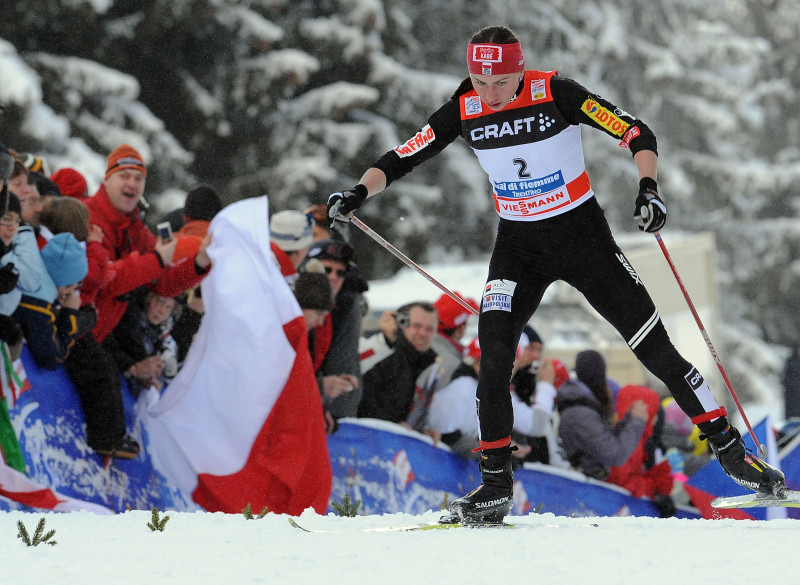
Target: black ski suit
(551,228)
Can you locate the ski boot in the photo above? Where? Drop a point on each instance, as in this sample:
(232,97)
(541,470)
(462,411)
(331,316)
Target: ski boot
(744,467)
(491,501)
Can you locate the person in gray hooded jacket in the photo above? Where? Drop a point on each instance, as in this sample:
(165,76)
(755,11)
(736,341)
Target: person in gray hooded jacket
(591,442)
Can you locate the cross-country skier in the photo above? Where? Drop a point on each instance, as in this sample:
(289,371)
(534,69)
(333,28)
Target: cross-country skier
(523,125)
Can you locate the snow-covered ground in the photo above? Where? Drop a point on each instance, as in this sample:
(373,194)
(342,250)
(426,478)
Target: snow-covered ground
(202,548)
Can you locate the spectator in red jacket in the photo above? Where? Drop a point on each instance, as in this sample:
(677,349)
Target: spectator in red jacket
(129,257)
(202,205)
(641,474)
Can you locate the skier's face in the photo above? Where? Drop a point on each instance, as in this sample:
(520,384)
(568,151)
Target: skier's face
(496,91)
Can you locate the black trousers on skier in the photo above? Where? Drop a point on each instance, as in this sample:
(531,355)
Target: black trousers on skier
(578,248)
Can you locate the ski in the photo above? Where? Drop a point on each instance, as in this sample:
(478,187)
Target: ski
(409,527)
(790,499)
(425,526)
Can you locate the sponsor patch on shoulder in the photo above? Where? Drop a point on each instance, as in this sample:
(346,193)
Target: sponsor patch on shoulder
(538,89)
(472,106)
(497,295)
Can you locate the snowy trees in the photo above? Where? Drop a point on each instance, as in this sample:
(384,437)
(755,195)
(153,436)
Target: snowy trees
(296,98)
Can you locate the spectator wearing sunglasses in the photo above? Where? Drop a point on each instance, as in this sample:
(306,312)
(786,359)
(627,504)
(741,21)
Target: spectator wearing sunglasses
(339,372)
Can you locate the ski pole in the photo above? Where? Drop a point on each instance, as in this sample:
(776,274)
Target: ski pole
(762,450)
(410,263)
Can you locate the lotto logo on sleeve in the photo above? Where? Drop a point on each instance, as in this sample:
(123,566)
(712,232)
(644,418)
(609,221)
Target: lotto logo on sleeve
(604,117)
(497,295)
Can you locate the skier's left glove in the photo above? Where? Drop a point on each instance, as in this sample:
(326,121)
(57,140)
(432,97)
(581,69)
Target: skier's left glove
(345,202)
(650,211)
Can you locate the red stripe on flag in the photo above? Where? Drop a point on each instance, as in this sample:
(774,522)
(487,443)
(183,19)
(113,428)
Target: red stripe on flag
(288,468)
(43,498)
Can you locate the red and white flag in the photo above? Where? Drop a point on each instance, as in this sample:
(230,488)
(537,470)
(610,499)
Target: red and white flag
(242,422)
(20,488)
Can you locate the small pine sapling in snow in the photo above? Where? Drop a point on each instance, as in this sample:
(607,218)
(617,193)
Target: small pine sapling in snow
(248,513)
(346,508)
(156,522)
(37,535)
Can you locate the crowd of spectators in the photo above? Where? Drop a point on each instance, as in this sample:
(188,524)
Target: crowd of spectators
(89,286)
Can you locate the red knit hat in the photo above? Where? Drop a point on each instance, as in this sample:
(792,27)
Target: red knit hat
(71,183)
(562,373)
(125,157)
(451,313)
(473,351)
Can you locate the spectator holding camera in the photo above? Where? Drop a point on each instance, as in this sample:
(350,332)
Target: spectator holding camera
(141,344)
(398,382)
(136,258)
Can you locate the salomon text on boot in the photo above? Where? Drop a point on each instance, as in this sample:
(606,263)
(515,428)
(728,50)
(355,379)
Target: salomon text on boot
(490,502)
(743,466)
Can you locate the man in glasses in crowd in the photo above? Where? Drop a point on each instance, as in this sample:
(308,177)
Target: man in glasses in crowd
(335,343)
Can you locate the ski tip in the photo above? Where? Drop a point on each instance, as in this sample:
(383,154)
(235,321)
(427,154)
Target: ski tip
(294,523)
(788,498)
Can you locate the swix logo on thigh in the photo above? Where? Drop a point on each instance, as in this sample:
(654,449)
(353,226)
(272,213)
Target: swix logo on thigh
(497,295)
(624,261)
(694,379)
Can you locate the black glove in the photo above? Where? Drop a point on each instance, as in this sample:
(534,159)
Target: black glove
(650,211)
(345,202)
(8,278)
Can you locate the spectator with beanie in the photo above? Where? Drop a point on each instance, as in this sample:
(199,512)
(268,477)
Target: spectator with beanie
(315,297)
(290,237)
(202,204)
(50,324)
(591,442)
(453,319)
(34,163)
(341,330)
(71,183)
(47,188)
(138,258)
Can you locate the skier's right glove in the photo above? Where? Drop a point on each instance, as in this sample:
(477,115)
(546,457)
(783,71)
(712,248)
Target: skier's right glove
(650,211)
(8,278)
(345,202)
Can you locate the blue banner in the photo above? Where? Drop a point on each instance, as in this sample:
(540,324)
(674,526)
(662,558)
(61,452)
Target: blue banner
(389,469)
